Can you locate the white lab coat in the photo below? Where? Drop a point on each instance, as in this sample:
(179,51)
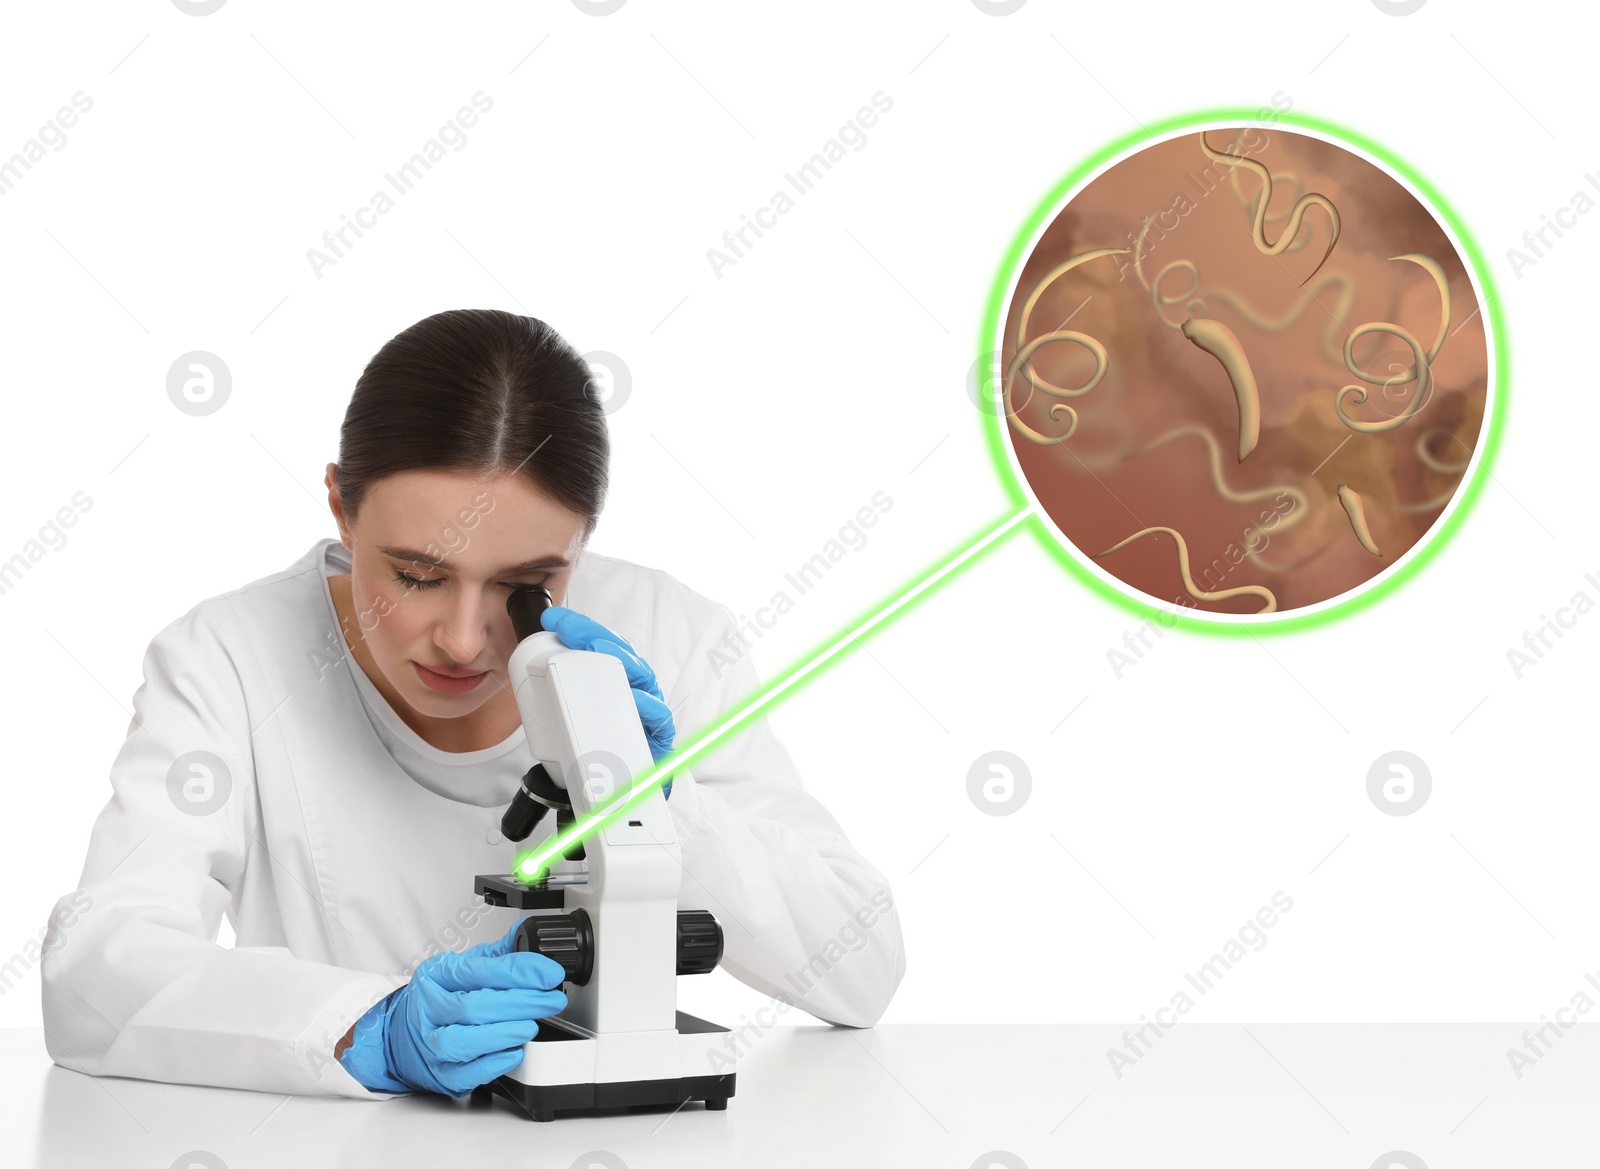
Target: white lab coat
(339,872)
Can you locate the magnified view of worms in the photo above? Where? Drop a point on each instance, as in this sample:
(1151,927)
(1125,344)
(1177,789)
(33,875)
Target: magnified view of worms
(1245,370)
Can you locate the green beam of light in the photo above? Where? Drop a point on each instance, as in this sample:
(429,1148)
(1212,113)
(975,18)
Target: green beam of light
(534,865)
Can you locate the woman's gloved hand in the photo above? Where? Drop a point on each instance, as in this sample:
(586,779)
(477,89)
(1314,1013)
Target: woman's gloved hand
(579,632)
(460,1022)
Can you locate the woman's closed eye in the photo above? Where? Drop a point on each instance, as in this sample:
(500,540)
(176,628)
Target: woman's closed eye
(412,582)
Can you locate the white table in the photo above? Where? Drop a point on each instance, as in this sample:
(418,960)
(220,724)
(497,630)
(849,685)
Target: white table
(817,1096)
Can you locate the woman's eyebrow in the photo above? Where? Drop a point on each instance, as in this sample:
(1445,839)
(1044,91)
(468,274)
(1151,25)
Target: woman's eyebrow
(413,556)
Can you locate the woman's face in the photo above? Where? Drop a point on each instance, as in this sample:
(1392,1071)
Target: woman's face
(433,557)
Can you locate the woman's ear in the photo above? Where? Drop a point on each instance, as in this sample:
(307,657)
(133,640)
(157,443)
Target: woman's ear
(336,506)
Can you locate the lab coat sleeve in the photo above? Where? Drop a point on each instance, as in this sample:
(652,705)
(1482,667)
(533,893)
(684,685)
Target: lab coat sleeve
(805,917)
(133,980)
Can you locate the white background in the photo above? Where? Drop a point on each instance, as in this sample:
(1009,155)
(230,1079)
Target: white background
(769,404)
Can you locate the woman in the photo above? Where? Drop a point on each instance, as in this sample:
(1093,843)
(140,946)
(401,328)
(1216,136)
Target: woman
(324,755)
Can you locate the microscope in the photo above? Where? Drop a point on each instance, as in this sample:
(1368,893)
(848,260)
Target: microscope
(607,910)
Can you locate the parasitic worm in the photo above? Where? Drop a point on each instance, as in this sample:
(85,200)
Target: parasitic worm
(1423,382)
(1357,512)
(1021,359)
(1299,191)
(1308,296)
(1218,340)
(1431,267)
(1051,277)
(1217,481)
(1430,504)
(1214,453)
(1190,587)
(1248,205)
(1433,462)
(1297,213)
(1154,287)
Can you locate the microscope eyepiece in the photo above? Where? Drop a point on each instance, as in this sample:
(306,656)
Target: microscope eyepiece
(526,605)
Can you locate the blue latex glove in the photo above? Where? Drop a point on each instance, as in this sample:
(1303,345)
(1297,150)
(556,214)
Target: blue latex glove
(460,1022)
(579,632)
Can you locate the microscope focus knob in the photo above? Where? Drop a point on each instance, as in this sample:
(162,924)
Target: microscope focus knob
(699,942)
(567,938)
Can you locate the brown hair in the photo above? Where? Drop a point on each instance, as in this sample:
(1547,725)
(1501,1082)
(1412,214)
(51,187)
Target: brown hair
(482,391)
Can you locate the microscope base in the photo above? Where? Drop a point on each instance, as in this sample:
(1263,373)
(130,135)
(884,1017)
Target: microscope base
(542,1101)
